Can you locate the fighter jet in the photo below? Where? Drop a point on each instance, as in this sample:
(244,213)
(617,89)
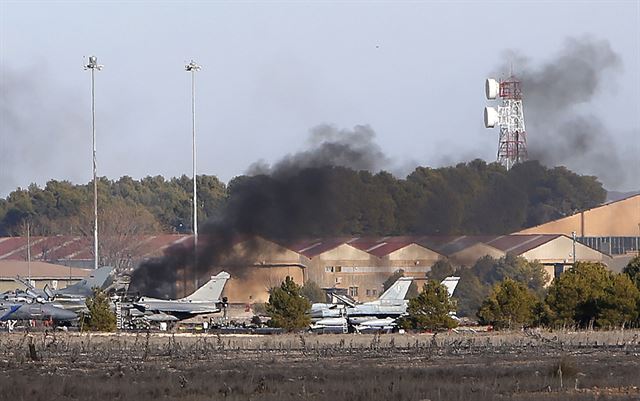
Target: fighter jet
(377,315)
(205,299)
(72,298)
(35,311)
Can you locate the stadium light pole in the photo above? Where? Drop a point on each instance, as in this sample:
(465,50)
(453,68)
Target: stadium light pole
(192,67)
(93,66)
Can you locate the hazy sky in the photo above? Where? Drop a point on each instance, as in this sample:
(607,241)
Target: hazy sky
(271,71)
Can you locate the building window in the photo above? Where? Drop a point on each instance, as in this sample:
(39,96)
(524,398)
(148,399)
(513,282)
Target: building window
(338,280)
(368,292)
(374,292)
(353,291)
(558,269)
(333,269)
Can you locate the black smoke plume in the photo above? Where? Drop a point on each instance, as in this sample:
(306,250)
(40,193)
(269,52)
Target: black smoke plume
(329,146)
(556,94)
(300,195)
(39,128)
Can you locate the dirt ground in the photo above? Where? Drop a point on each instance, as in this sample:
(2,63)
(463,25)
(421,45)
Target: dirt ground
(451,366)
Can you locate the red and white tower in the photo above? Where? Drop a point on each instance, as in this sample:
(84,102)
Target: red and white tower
(512,146)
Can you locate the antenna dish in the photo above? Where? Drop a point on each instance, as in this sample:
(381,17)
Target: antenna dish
(491,88)
(491,117)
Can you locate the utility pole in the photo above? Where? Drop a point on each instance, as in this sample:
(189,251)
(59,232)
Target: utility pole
(29,250)
(573,234)
(192,67)
(93,66)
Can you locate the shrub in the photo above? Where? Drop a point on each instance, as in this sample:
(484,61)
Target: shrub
(100,316)
(430,310)
(287,308)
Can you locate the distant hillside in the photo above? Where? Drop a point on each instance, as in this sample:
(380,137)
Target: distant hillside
(613,196)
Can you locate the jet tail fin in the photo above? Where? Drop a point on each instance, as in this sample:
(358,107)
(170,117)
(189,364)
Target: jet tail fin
(451,283)
(212,290)
(398,290)
(84,287)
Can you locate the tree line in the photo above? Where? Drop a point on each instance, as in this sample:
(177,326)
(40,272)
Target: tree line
(588,295)
(469,198)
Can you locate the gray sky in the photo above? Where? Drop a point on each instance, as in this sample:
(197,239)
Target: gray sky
(413,71)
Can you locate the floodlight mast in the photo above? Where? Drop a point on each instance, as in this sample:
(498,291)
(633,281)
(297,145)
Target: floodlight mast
(512,144)
(192,67)
(93,66)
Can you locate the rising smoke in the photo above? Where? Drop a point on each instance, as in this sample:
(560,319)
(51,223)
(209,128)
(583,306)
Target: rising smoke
(38,131)
(556,94)
(328,146)
(300,195)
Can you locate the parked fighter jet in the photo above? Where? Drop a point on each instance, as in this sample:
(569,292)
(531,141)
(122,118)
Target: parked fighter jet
(35,311)
(380,314)
(72,298)
(205,299)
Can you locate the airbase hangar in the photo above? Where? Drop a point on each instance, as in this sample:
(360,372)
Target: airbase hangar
(357,266)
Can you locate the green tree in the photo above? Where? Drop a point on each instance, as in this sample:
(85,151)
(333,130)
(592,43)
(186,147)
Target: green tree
(532,274)
(511,304)
(619,304)
(440,270)
(312,291)
(476,282)
(590,294)
(287,308)
(100,316)
(632,269)
(431,309)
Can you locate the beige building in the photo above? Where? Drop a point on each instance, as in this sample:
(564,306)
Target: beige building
(255,265)
(468,256)
(615,219)
(55,276)
(361,265)
(613,228)
(554,251)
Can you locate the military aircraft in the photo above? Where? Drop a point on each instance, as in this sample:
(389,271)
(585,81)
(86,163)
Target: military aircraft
(10,311)
(377,315)
(72,297)
(205,299)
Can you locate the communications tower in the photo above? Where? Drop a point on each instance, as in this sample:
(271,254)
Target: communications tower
(512,146)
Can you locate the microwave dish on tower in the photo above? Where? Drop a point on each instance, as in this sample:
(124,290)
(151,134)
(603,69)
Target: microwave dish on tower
(509,116)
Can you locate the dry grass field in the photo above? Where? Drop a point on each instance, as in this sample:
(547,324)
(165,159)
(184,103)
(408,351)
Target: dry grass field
(445,367)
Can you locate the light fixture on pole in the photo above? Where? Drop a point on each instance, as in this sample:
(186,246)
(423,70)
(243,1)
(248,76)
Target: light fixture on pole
(93,66)
(192,67)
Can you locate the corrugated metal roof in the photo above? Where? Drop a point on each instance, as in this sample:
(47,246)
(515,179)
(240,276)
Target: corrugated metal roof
(519,244)
(383,246)
(80,248)
(314,247)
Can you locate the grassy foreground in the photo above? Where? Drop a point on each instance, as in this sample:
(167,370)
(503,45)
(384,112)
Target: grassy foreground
(515,366)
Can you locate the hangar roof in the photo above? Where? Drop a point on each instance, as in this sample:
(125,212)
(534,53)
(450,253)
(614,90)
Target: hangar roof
(79,248)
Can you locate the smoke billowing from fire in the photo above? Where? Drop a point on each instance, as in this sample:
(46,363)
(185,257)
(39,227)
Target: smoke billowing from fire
(559,131)
(39,129)
(329,146)
(297,196)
